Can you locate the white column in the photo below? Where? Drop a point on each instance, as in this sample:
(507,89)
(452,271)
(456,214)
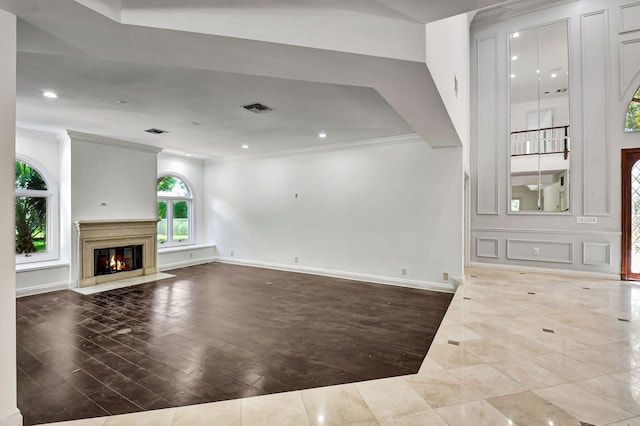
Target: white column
(9,414)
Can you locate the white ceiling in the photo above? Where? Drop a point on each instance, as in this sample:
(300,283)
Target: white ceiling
(201,109)
(193,85)
(422,11)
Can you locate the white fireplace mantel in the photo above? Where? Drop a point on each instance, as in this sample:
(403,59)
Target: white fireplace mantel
(99,234)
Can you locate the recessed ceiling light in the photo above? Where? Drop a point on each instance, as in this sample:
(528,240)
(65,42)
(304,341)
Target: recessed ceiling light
(513,76)
(322,135)
(188,155)
(49,94)
(554,75)
(514,58)
(245,146)
(515,35)
(120,102)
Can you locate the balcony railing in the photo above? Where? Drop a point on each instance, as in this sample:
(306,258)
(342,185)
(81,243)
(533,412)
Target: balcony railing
(548,140)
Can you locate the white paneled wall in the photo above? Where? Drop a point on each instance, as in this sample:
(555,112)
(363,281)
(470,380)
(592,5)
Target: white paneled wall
(603,56)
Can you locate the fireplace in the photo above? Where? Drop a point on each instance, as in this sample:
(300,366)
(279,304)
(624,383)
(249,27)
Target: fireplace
(117,259)
(111,250)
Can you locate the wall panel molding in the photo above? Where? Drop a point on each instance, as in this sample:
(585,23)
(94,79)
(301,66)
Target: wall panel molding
(628,64)
(548,231)
(548,251)
(487,137)
(488,247)
(629,17)
(596,254)
(596,194)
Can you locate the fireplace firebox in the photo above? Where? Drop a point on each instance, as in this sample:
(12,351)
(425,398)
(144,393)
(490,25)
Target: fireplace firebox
(117,259)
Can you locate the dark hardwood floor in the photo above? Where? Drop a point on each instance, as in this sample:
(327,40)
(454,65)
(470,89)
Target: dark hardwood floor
(213,332)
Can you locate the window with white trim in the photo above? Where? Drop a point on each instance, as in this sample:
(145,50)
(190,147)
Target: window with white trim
(175,211)
(36,212)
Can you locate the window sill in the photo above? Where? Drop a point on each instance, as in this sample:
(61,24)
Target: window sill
(39,265)
(185,247)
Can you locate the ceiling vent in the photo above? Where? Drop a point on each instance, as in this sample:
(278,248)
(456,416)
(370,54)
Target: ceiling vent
(257,108)
(155,131)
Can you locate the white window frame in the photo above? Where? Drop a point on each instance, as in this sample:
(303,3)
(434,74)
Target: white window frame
(190,199)
(51,194)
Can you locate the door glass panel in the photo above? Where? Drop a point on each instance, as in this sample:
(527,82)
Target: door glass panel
(635,218)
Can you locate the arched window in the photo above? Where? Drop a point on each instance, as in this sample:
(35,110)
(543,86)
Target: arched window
(36,215)
(175,201)
(632,122)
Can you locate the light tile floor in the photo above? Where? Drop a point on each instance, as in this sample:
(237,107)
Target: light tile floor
(513,349)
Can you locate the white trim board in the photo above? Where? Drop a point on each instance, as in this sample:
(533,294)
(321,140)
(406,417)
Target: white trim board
(42,288)
(186,263)
(547,231)
(127,282)
(376,279)
(14,419)
(534,269)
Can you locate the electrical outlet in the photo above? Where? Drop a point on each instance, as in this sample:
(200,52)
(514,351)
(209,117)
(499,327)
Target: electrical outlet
(190,255)
(536,250)
(231,253)
(404,271)
(295,259)
(445,276)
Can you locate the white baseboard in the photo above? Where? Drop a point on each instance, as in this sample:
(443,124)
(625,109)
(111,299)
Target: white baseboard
(42,288)
(354,276)
(13,420)
(185,263)
(535,269)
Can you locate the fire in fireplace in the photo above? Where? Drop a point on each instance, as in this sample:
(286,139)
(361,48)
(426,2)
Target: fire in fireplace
(117,259)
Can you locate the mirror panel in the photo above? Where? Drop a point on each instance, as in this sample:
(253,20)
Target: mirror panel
(539,107)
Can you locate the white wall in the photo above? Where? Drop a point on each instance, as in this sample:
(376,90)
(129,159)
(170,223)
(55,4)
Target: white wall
(370,211)
(40,147)
(9,414)
(192,171)
(112,182)
(110,179)
(64,188)
(48,153)
(447,56)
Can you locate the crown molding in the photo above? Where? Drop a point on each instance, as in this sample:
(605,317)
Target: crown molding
(101,140)
(513,8)
(391,140)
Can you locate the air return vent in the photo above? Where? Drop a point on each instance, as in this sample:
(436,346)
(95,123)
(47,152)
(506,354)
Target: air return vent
(155,131)
(257,108)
